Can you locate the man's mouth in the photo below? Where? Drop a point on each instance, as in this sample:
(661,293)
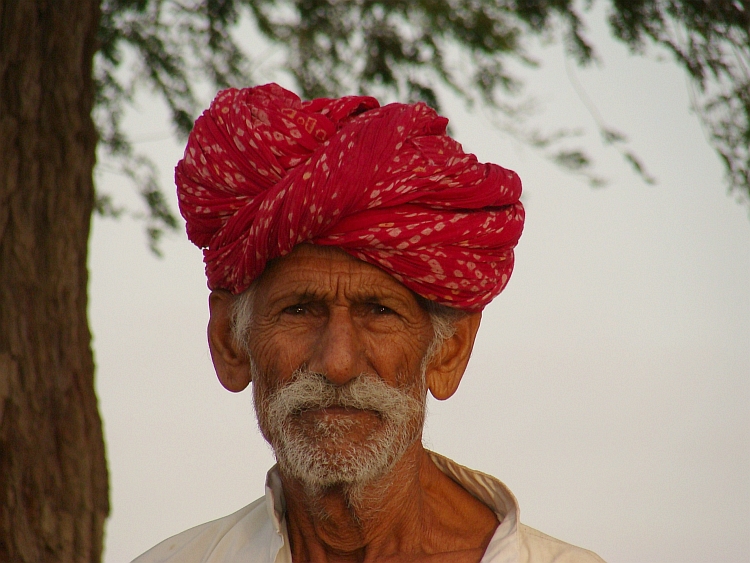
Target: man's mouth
(336,411)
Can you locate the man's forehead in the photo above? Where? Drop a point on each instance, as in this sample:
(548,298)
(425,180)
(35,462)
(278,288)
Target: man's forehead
(308,264)
(322,252)
(305,254)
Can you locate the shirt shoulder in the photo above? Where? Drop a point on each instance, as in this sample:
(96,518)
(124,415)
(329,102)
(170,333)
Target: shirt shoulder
(207,542)
(537,547)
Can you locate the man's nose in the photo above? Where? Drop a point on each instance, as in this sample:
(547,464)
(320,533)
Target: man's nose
(338,351)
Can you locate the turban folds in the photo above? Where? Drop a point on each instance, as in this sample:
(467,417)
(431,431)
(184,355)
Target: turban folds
(264,171)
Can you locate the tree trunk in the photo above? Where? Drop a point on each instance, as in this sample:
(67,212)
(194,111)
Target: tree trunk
(53,474)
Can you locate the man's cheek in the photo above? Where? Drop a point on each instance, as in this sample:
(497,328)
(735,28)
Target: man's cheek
(278,359)
(398,353)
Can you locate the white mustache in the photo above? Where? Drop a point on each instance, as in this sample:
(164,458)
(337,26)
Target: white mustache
(309,390)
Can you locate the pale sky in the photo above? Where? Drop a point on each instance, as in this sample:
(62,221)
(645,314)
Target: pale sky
(610,383)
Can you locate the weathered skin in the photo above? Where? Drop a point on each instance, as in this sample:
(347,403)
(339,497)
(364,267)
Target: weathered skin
(342,317)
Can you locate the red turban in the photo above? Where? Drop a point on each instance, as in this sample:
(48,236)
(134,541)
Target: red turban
(264,171)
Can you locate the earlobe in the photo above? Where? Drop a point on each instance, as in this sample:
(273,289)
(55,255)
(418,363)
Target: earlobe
(231,363)
(447,368)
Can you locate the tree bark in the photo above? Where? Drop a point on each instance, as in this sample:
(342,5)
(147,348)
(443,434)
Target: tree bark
(53,473)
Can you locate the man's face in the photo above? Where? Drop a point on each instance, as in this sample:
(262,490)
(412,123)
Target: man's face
(337,348)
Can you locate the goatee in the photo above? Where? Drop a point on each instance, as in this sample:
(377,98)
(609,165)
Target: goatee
(343,450)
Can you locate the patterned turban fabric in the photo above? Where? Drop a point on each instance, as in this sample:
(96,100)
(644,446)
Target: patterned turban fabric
(264,171)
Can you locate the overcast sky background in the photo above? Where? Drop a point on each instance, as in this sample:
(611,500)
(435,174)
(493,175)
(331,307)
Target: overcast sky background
(610,383)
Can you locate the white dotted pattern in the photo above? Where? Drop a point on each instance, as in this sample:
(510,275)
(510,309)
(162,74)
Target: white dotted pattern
(264,171)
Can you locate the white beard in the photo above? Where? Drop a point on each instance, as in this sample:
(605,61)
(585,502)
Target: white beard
(322,453)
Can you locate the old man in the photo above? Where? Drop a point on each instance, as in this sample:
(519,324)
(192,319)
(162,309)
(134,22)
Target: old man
(350,249)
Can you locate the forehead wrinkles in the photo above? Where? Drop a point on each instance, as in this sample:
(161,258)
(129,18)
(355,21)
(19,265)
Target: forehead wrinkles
(330,277)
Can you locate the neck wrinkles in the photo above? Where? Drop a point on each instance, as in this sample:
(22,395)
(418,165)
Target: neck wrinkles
(358,523)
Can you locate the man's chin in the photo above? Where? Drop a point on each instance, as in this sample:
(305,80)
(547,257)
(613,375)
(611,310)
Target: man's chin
(327,474)
(343,459)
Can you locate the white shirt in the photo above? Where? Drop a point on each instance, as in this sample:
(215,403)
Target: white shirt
(258,534)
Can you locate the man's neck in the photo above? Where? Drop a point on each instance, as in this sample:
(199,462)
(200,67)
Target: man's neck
(415,512)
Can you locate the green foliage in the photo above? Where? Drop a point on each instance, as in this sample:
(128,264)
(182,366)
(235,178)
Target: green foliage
(170,47)
(710,39)
(406,47)
(404,50)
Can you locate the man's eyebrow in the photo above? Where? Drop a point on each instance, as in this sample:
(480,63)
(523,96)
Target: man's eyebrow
(303,295)
(381,295)
(375,296)
(283,294)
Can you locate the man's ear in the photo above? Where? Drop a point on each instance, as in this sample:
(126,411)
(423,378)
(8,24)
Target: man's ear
(446,369)
(230,362)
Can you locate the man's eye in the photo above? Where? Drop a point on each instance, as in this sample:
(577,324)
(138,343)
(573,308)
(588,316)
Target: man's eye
(381,310)
(295,310)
